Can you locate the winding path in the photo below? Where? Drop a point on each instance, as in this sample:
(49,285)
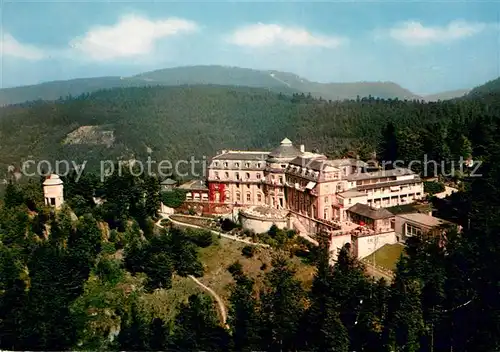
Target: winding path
(230,237)
(220,303)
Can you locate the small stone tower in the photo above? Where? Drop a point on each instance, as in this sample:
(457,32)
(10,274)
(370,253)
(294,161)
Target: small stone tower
(53,191)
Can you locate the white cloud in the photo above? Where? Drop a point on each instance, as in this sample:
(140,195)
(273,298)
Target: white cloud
(414,33)
(9,46)
(261,35)
(131,36)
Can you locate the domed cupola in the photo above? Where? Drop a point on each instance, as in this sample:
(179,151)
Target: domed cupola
(285,152)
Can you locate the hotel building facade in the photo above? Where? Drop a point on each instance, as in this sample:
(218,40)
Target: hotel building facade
(317,192)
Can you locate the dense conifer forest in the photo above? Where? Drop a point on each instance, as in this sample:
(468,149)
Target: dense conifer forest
(74,280)
(179,122)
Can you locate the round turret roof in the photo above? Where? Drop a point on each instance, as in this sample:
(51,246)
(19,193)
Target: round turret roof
(169,181)
(286,150)
(52,180)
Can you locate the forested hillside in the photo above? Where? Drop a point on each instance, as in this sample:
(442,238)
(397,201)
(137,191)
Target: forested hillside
(491,87)
(105,277)
(110,280)
(180,122)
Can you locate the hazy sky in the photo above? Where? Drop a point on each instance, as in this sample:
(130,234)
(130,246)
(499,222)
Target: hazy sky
(426,47)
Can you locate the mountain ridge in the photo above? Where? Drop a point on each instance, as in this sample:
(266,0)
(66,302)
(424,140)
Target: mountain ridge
(273,80)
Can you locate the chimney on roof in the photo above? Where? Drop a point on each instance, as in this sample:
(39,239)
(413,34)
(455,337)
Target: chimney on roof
(302,148)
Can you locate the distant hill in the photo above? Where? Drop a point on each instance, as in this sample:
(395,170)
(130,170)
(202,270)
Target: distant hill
(275,81)
(490,87)
(55,89)
(451,94)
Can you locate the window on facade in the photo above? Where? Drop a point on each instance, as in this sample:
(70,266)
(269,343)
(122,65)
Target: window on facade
(283,166)
(247,175)
(326,199)
(237,175)
(281,179)
(249,197)
(216,174)
(248,186)
(226,174)
(350,201)
(258,176)
(52,201)
(247,164)
(259,198)
(411,230)
(238,197)
(225,164)
(216,164)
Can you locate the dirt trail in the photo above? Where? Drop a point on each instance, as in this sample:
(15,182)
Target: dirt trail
(230,237)
(220,303)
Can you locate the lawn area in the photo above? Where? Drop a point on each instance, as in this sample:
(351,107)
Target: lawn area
(216,259)
(387,256)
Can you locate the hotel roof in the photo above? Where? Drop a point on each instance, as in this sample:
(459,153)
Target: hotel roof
(387,184)
(369,212)
(319,163)
(378,174)
(347,162)
(194,185)
(424,219)
(242,155)
(286,150)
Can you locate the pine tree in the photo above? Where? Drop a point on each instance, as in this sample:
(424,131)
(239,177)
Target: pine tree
(243,316)
(197,327)
(134,331)
(283,303)
(388,149)
(321,327)
(405,325)
(159,335)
